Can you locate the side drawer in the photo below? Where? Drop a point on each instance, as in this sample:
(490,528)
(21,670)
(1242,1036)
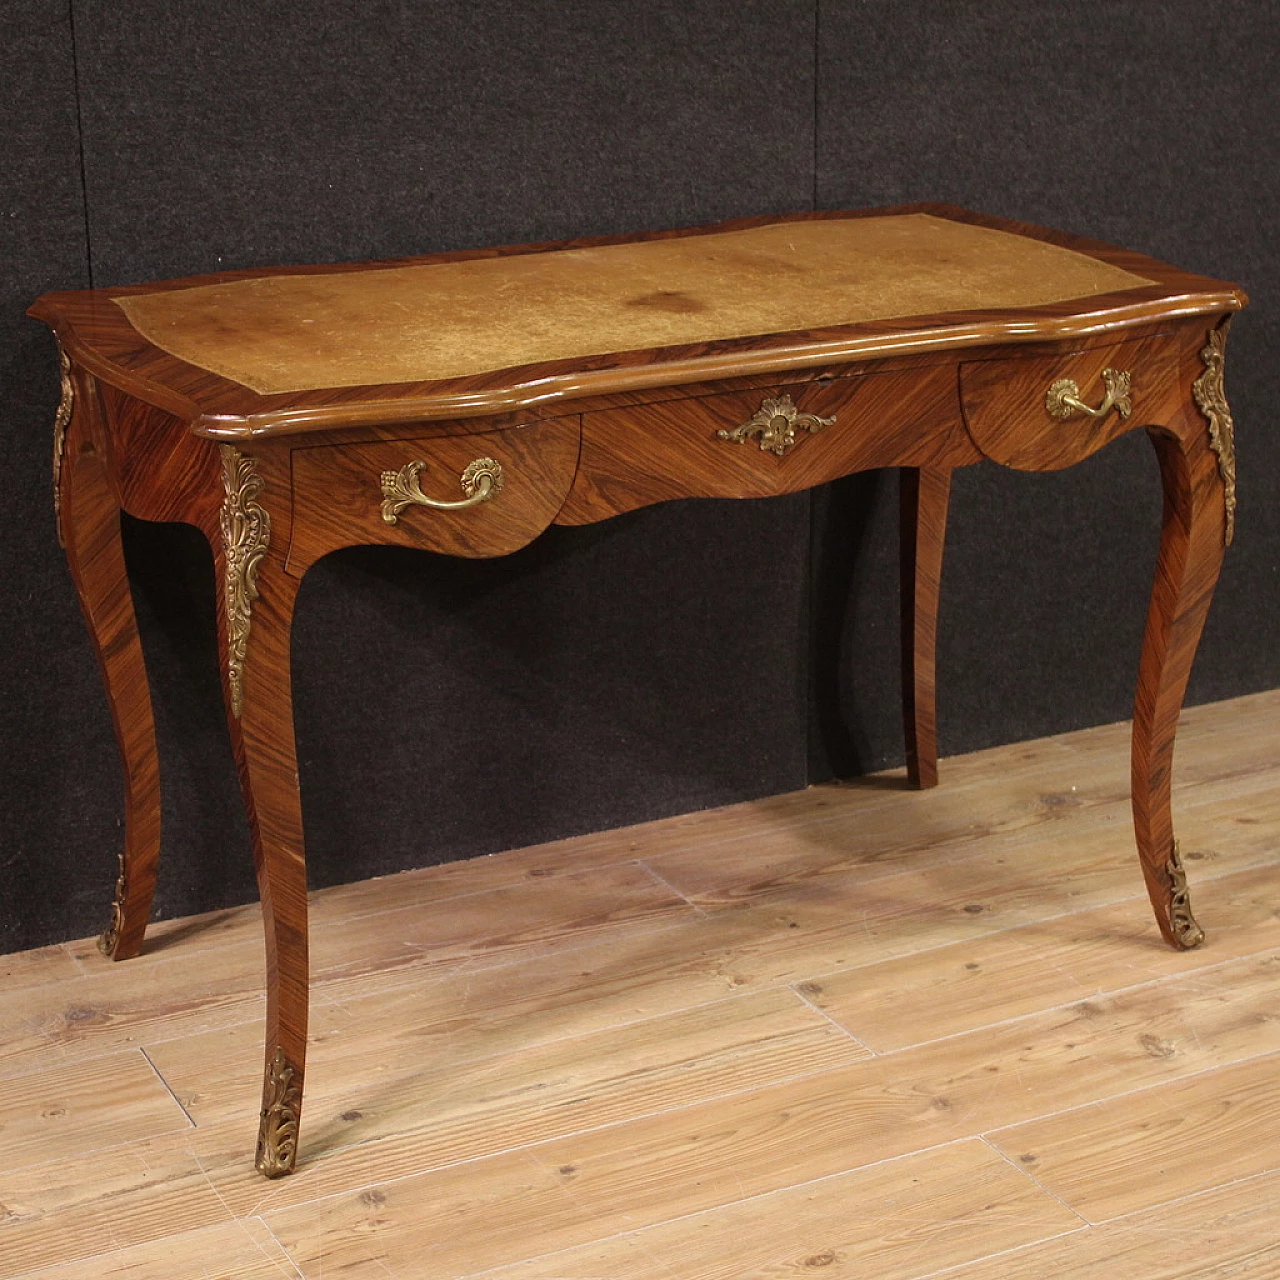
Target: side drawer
(770,440)
(1007,402)
(340,499)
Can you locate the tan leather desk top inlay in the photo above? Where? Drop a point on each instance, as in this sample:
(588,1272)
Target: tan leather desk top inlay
(280,333)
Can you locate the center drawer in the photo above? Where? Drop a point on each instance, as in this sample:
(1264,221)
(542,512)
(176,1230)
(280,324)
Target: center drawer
(501,489)
(766,441)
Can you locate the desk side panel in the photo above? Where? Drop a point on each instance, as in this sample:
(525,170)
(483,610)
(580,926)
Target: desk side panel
(161,471)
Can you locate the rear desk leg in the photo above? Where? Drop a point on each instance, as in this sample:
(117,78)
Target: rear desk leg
(89,526)
(924,497)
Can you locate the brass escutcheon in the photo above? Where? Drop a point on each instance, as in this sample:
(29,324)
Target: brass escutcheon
(775,422)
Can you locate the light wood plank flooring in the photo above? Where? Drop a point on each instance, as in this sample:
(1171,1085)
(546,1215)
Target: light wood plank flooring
(857,1031)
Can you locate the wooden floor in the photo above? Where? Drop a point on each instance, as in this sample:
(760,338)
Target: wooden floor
(853,1032)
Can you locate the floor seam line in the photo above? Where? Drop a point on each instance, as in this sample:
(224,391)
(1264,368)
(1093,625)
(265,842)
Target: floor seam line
(168,1087)
(1031,1177)
(797,987)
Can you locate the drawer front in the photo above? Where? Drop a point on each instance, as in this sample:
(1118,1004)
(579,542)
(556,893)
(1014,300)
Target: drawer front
(1020,411)
(752,444)
(511,482)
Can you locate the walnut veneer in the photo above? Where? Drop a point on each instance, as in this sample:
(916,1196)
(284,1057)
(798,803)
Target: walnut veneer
(463,403)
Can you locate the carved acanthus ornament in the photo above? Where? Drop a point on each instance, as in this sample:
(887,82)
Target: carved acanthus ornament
(776,422)
(111,934)
(1211,397)
(60,422)
(278,1131)
(1181,921)
(246,534)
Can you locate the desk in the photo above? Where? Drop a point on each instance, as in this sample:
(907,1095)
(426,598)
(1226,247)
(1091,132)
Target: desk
(463,403)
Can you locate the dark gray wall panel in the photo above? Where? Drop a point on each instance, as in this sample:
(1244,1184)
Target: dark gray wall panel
(450,708)
(642,666)
(58,777)
(603,676)
(241,133)
(1152,126)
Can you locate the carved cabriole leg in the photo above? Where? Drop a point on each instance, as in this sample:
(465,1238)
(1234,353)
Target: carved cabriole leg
(924,498)
(1197,521)
(88,518)
(256,599)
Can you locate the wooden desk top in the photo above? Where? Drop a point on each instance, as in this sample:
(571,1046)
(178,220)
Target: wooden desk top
(463,334)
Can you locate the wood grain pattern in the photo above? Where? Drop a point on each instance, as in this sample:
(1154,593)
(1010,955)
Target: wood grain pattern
(525,1093)
(161,471)
(1196,1138)
(81,1205)
(636,456)
(925,493)
(861,830)
(1006,414)
(337,500)
(1192,542)
(946,1205)
(245,1250)
(656,1059)
(83,1107)
(90,525)
(266,757)
(45,965)
(587,1186)
(201,975)
(959,899)
(1230,1231)
(894,1003)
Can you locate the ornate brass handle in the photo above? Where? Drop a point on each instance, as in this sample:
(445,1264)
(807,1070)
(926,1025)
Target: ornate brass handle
(1063,398)
(775,422)
(481,482)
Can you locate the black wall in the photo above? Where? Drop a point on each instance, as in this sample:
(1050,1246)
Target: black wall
(683,656)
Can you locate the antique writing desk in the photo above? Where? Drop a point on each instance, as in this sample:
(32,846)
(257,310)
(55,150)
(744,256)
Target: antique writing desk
(464,402)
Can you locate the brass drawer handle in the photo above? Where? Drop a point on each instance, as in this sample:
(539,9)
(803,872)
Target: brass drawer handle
(775,422)
(481,481)
(1063,398)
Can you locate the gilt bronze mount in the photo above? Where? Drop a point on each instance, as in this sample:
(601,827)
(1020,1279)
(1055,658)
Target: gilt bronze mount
(1211,398)
(776,422)
(1063,398)
(246,534)
(481,481)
